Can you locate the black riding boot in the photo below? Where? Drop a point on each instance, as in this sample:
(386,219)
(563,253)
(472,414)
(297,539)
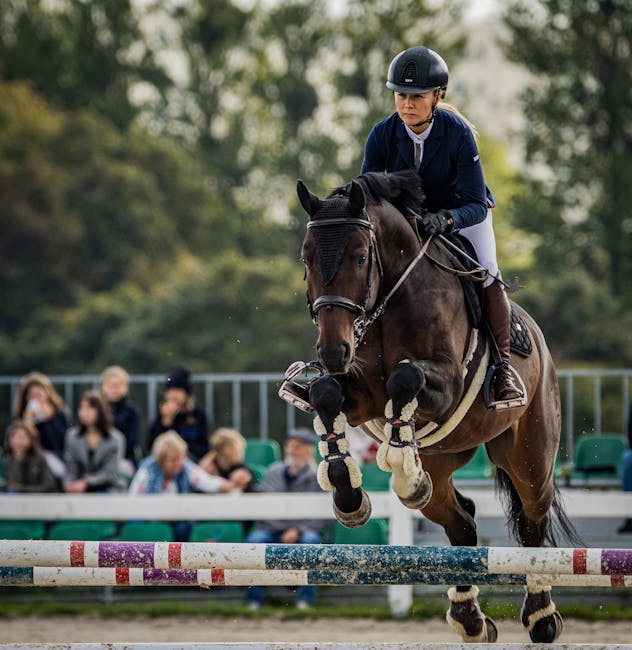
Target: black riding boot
(505,384)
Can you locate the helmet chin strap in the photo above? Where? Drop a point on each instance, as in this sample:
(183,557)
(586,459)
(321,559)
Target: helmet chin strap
(432,115)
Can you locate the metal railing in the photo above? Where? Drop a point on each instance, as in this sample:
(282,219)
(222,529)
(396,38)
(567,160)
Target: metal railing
(592,400)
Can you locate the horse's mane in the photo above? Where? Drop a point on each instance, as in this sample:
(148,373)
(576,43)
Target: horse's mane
(402,189)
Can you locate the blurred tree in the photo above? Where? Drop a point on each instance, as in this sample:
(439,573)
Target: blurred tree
(37,232)
(232,314)
(79,54)
(86,208)
(580,139)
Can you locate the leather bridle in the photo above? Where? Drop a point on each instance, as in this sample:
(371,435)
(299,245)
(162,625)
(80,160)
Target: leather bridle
(362,320)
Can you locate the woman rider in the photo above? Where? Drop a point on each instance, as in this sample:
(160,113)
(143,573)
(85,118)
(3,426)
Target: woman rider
(435,139)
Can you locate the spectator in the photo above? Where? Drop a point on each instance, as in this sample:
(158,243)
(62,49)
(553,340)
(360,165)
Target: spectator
(626,473)
(169,471)
(93,449)
(180,413)
(37,402)
(125,414)
(296,473)
(226,459)
(25,467)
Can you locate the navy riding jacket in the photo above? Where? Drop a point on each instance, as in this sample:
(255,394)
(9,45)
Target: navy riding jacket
(451,171)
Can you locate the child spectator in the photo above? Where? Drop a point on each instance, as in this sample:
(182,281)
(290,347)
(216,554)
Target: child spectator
(296,473)
(125,414)
(93,449)
(169,471)
(37,402)
(179,412)
(226,459)
(25,467)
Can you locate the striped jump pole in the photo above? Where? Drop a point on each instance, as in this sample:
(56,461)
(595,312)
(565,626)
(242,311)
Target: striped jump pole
(104,577)
(336,557)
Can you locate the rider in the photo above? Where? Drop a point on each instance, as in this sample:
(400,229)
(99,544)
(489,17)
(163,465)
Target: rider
(439,142)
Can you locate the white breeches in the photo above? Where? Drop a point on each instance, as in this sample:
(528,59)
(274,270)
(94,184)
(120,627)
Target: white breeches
(483,239)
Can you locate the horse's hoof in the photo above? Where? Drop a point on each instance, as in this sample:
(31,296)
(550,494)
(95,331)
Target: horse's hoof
(547,629)
(358,517)
(492,630)
(420,498)
(465,616)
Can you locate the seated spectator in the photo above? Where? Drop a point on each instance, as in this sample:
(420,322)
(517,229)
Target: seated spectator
(125,414)
(37,402)
(93,449)
(169,471)
(179,412)
(626,473)
(25,467)
(226,459)
(296,473)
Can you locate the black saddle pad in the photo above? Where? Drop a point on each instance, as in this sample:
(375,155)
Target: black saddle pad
(519,341)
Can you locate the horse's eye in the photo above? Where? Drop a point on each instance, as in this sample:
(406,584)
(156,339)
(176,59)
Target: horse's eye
(361,259)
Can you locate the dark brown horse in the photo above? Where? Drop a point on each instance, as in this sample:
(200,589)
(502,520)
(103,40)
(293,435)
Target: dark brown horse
(401,356)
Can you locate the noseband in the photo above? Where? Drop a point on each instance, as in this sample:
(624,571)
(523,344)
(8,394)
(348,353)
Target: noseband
(332,300)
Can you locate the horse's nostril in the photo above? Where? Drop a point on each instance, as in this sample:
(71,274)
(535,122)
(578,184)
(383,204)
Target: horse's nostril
(346,352)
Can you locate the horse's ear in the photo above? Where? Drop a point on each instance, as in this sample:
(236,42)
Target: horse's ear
(309,201)
(356,198)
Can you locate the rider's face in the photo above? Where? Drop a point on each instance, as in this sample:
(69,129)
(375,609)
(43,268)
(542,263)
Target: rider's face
(413,109)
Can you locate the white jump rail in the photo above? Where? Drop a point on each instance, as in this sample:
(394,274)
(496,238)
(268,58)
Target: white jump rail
(253,507)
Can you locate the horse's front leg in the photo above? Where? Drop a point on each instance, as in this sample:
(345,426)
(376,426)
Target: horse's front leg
(430,387)
(338,472)
(399,453)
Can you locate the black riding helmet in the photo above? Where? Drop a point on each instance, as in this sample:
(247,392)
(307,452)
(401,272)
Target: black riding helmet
(417,70)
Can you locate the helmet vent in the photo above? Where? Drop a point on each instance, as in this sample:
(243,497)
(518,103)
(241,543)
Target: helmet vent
(410,73)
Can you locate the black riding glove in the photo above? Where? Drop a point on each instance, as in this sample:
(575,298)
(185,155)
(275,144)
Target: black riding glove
(435,223)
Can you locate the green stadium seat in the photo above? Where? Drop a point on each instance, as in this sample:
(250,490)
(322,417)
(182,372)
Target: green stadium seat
(375,531)
(598,456)
(259,471)
(22,529)
(262,452)
(217,531)
(146,531)
(93,531)
(479,466)
(374,479)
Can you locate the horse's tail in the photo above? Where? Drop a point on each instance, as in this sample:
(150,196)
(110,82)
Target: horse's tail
(559,526)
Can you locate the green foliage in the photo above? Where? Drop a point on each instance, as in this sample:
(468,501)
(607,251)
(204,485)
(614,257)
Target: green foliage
(579,109)
(78,54)
(209,316)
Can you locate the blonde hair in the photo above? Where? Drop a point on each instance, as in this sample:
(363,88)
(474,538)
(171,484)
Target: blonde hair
(444,106)
(166,442)
(115,371)
(225,438)
(35,379)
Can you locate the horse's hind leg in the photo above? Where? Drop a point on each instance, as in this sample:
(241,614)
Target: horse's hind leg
(338,472)
(399,453)
(529,509)
(455,512)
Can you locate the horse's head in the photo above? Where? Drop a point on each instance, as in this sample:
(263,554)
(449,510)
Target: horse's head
(341,269)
